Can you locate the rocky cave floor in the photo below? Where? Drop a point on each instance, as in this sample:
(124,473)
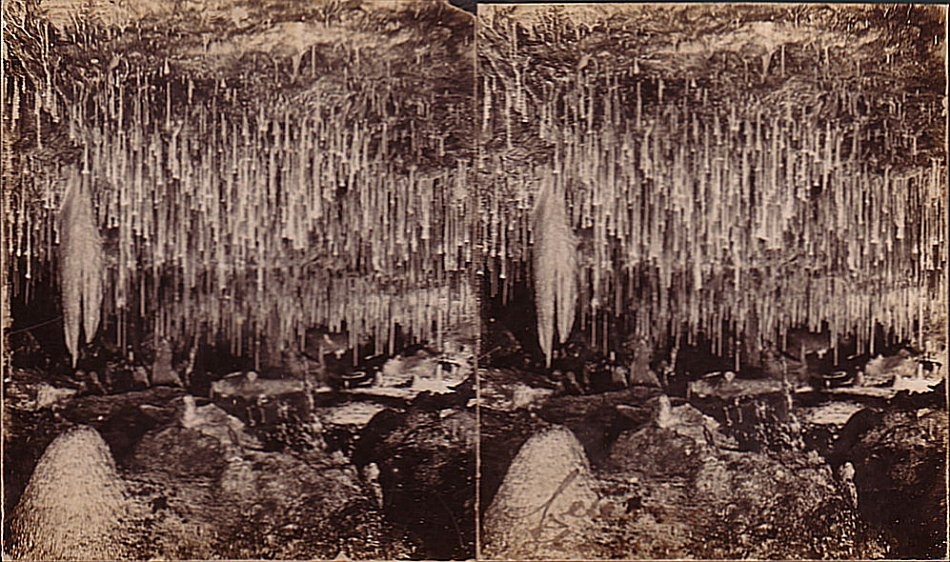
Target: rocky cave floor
(248,466)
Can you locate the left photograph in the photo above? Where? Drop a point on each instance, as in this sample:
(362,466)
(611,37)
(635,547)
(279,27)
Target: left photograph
(239,313)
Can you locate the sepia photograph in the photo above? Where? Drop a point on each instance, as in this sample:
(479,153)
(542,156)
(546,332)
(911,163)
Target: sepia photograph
(459,280)
(240,319)
(714,281)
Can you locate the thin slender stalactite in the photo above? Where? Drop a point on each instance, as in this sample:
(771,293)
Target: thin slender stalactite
(710,205)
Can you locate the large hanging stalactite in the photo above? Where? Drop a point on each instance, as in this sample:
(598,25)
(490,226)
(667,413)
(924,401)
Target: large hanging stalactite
(81,269)
(555,269)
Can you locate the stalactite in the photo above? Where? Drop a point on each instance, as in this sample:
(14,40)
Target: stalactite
(555,281)
(717,209)
(81,262)
(319,245)
(663,188)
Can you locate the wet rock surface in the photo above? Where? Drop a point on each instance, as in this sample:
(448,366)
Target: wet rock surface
(641,475)
(230,501)
(598,420)
(742,469)
(273,465)
(899,463)
(425,460)
(199,482)
(675,487)
(724,506)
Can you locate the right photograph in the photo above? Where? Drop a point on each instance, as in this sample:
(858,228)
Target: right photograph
(713,281)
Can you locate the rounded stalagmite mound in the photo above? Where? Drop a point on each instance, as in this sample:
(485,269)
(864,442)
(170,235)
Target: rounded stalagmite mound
(74,504)
(543,508)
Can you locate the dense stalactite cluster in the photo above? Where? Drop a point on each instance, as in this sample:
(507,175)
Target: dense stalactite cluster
(734,202)
(765,174)
(342,204)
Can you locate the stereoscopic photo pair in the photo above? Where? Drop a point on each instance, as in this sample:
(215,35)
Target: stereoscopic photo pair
(367,279)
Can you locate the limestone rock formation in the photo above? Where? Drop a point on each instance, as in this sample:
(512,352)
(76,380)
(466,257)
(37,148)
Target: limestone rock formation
(544,507)
(555,271)
(82,265)
(74,505)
